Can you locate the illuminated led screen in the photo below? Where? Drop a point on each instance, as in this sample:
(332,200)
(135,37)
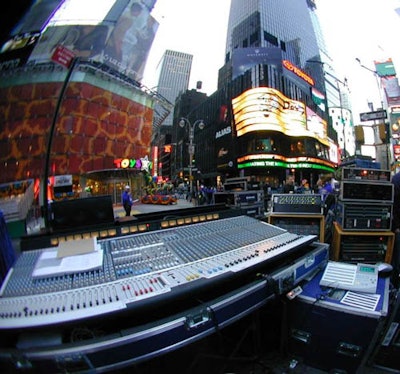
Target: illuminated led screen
(267,109)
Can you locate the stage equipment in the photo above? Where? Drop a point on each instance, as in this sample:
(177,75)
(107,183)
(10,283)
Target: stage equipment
(140,295)
(366,192)
(361,216)
(334,330)
(387,351)
(370,175)
(362,246)
(297,203)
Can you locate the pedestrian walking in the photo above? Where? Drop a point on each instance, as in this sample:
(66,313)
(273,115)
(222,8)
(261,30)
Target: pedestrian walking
(127,201)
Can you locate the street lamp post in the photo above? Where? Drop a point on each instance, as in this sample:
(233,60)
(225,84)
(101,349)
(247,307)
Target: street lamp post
(376,78)
(185,122)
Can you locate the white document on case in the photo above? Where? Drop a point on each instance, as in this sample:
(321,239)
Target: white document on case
(61,260)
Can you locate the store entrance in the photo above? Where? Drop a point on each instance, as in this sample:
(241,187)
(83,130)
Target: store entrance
(113,183)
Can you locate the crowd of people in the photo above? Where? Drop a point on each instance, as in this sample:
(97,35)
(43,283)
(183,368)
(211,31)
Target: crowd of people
(325,185)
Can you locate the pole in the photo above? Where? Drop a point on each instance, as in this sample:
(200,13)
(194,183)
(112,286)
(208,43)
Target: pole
(376,75)
(50,142)
(191,152)
(182,123)
(342,119)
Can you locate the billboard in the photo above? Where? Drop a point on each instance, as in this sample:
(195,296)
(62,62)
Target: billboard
(267,109)
(244,58)
(385,68)
(123,45)
(15,51)
(85,41)
(394,117)
(93,128)
(129,44)
(391,88)
(317,126)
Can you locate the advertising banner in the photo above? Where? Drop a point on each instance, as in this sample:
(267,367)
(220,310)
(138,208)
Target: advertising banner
(124,47)
(15,52)
(244,58)
(130,41)
(267,109)
(385,68)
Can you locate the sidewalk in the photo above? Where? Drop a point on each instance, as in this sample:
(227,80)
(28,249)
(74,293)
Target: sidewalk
(138,208)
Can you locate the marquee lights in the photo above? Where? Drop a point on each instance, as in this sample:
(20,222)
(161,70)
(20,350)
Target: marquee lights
(282,164)
(262,160)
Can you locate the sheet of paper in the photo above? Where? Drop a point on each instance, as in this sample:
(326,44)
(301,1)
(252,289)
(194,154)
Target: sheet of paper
(76,247)
(49,264)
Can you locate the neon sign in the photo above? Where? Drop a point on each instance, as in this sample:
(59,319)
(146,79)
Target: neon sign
(300,73)
(265,160)
(129,163)
(283,164)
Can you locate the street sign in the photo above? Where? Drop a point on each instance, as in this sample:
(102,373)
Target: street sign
(63,56)
(371,116)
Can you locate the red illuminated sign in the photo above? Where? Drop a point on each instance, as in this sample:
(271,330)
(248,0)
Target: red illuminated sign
(63,56)
(300,73)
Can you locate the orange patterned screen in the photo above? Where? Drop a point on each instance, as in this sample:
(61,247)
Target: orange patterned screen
(93,128)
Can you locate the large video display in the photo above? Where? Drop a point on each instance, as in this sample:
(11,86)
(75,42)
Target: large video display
(267,109)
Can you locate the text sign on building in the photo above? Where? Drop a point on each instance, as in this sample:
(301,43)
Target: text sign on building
(371,116)
(62,180)
(63,56)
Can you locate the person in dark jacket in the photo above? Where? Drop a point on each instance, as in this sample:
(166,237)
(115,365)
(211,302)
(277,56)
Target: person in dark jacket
(289,186)
(127,201)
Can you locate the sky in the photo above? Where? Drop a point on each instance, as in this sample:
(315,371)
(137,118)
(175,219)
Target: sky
(363,29)
(194,27)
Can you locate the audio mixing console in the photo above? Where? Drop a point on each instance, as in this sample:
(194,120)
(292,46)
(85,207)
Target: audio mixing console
(140,267)
(152,292)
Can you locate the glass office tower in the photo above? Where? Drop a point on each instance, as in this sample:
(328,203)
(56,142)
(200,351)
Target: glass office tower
(279,112)
(273,23)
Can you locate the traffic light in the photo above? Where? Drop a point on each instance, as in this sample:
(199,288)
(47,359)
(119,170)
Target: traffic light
(384,132)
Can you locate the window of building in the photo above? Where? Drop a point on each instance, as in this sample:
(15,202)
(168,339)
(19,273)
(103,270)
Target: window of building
(271,38)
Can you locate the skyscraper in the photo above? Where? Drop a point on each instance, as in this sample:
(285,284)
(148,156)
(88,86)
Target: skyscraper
(273,23)
(173,77)
(272,75)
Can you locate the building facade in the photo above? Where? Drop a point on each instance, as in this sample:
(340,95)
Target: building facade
(173,77)
(72,104)
(267,120)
